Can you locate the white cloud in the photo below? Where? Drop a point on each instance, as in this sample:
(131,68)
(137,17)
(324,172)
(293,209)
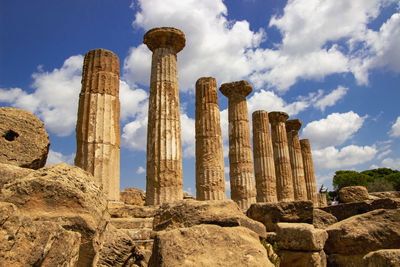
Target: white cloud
(227,170)
(56,157)
(140,170)
(334,130)
(349,156)
(391,163)
(395,131)
(384,153)
(331,98)
(188,136)
(133,101)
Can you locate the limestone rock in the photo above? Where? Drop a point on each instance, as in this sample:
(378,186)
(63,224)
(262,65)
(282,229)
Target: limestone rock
(383,257)
(302,258)
(24,141)
(388,194)
(119,249)
(346,210)
(27,242)
(272,213)
(323,219)
(9,173)
(208,245)
(133,196)
(66,195)
(118,210)
(353,194)
(378,229)
(300,236)
(338,260)
(191,212)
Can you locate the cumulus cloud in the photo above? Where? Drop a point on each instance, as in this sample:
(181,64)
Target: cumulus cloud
(140,170)
(348,156)
(395,131)
(331,98)
(334,130)
(188,136)
(392,163)
(56,157)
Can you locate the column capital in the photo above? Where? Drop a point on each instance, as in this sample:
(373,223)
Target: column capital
(293,125)
(165,37)
(277,116)
(258,113)
(305,145)
(242,88)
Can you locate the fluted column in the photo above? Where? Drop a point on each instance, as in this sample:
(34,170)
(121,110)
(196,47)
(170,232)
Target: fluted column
(264,166)
(98,135)
(284,182)
(210,174)
(309,171)
(164,182)
(241,175)
(296,159)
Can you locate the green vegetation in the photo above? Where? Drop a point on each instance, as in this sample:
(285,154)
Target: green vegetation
(376,180)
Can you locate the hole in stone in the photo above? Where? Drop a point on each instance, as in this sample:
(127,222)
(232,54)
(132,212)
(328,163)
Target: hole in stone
(10,135)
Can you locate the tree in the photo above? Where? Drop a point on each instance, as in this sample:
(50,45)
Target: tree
(349,178)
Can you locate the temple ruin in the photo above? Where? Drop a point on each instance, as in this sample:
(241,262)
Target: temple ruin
(309,174)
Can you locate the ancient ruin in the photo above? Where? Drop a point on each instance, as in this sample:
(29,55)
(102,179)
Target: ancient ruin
(309,174)
(264,166)
(284,182)
(296,159)
(210,174)
(241,175)
(164,182)
(98,135)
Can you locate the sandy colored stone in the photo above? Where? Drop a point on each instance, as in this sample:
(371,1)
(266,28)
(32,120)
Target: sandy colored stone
(208,245)
(120,210)
(302,258)
(66,195)
(28,242)
(133,196)
(191,212)
(9,173)
(361,234)
(388,194)
(383,257)
(98,134)
(264,166)
(270,214)
(24,141)
(309,173)
(296,159)
(322,201)
(210,171)
(241,172)
(283,170)
(323,219)
(300,236)
(164,176)
(354,260)
(353,194)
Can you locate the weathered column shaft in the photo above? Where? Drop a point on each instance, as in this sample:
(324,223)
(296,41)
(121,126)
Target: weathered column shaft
(284,182)
(309,174)
(296,159)
(98,135)
(264,166)
(210,174)
(240,155)
(164,182)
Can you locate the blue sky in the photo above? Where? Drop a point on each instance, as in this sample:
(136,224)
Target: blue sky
(333,64)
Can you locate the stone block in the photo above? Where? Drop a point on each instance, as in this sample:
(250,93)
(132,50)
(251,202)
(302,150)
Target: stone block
(133,196)
(300,236)
(350,194)
(323,219)
(302,259)
(383,257)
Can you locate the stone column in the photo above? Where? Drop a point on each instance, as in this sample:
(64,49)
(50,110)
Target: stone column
(284,181)
(210,174)
(164,182)
(98,135)
(296,159)
(240,156)
(264,166)
(309,174)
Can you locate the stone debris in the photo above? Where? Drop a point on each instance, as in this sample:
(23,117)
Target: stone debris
(98,135)
(383,257)
(164,178)
(302,258)
(350,194)
(133,196)
(241,172)
(210,171)
(264,166)
(24,141)
(323,219)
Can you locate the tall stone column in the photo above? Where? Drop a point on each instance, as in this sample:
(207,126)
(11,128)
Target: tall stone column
(309,174)
(164,182)
(240,156)
(264,166)
(98,134)
(210,174)
(284,181)
(296,159)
